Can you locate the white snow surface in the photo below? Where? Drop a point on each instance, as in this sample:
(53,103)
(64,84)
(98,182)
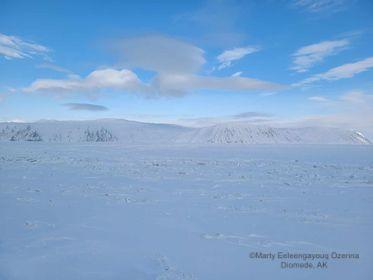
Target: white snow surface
(131,132)
(114,211)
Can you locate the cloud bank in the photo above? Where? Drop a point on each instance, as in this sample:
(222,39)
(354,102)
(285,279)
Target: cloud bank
(176,65)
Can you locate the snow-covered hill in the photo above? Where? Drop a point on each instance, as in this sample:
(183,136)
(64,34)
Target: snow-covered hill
(131,132)
(248,134)
(105,130)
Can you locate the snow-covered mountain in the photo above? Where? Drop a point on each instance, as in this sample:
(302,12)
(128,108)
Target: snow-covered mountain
(131,132)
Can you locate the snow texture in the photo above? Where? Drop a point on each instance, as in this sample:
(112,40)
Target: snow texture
(105,210)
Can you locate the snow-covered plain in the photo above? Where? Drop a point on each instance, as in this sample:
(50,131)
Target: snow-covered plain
(113,211)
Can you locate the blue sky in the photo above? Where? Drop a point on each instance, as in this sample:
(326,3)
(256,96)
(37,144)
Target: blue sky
(296,62)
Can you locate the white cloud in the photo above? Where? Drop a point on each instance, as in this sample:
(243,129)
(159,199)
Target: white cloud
(54,67)
(85,107)
(353,98)
(237,74)
(318,99)
(341,72)
(357,97)
(227,57)
(316,6)
(96,80)
(308,56)
(14,47)
(161,54)
(180,84)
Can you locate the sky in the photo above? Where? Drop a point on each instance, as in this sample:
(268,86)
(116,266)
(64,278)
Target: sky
(282,63)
